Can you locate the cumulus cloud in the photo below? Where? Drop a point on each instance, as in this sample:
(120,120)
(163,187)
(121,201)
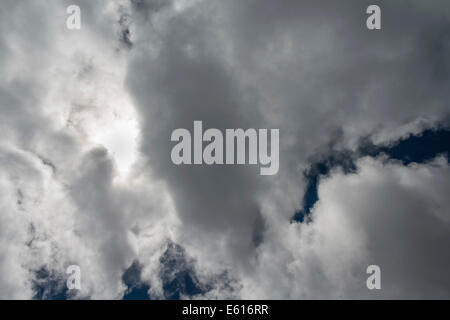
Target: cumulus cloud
(386,214)
(314,71)
(69,141)
(86,117)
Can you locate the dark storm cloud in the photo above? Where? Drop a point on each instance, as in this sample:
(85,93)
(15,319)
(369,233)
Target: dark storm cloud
(310,68)
(192,86)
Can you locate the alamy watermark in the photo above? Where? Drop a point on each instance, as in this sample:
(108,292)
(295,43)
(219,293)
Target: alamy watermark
(215,153)
(374,280)
(74,279)
(73,21)
(373,22)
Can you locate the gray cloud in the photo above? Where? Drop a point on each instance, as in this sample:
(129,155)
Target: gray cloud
(86,117)
(312,70)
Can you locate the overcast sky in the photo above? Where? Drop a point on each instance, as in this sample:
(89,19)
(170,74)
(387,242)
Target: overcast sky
(86,116)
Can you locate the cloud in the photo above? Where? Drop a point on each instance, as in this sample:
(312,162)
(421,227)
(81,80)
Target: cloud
(69,140)
(387,214)
(86,116)
(314,71)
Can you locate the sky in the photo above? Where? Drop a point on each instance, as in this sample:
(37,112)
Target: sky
(86,176)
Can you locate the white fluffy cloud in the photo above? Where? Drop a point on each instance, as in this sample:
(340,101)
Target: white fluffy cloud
(70,193)
(386,214)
